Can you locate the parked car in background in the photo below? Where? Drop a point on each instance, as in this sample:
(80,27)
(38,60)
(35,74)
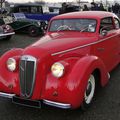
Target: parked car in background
(54,10)
(6,31)
(34,11)
(20,23)
(66,66)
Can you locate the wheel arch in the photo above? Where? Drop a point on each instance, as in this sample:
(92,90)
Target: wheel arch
(78,78)
(97,75)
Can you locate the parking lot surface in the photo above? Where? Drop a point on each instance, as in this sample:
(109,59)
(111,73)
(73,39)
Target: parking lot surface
(106,105)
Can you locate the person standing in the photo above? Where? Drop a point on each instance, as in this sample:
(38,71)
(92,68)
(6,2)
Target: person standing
(85,8)
(116,8)
(94,6)
(63,8)
(101,7)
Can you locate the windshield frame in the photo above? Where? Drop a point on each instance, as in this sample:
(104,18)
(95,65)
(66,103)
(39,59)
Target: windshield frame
(73,30)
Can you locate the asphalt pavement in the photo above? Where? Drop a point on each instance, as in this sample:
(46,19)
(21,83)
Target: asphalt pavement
(106,105)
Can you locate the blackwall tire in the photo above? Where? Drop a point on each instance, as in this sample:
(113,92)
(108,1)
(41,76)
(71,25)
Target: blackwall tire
(33,31)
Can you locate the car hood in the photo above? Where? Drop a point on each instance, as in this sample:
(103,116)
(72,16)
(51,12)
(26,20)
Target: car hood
(57,42)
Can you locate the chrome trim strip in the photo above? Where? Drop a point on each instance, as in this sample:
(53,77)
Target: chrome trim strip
(108,75)
(2,35)
(56,104)
(78,47)
(6,95)
(28,58)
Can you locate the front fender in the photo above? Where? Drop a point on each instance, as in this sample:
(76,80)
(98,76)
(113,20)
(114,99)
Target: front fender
(8,80)
(83,68)
(78,78)
(71,88)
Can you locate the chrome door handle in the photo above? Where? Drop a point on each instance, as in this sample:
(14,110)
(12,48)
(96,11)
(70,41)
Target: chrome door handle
(100,49)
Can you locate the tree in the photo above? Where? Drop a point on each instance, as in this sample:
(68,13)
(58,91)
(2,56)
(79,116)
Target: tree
(1,2)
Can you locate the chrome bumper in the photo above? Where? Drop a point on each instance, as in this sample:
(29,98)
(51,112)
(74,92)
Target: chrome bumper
(57,104)
(6,34)
(6,95)
(23,102)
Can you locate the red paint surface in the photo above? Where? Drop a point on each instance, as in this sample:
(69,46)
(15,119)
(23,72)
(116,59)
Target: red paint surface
(81,59)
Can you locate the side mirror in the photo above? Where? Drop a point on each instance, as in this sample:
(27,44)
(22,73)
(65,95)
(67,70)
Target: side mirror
(104,32)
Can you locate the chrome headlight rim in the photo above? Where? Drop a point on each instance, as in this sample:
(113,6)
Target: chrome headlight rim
(57,69)
(8,27)
(11,64)
(39,23)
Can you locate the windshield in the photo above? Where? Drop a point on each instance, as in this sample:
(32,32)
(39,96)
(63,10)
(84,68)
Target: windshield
(83,25)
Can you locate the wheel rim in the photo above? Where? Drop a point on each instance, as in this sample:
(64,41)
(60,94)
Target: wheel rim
(89,93)
(33,31)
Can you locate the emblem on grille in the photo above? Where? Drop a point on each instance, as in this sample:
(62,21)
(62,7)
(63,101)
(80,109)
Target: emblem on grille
(26,58)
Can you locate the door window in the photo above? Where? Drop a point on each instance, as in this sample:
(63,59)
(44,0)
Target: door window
(106,24)
(117,23)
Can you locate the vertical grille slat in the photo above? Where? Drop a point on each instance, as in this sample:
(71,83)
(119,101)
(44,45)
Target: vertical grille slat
(22,77)
(27,75)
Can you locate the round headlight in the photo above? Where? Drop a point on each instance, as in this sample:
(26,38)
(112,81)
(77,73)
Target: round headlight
(7,27)
(11,64)
(39,23)
(57,69)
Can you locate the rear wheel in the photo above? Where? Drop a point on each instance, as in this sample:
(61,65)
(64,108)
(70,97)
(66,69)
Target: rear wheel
(89,92)
(33,31)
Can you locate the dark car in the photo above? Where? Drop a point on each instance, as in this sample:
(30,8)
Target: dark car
(35,11)
(20,23)
(6,31)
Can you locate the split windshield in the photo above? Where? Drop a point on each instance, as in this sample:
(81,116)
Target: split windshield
(82,25)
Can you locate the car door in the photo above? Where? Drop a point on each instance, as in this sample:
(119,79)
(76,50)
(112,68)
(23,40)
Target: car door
(20,21)
(107,45)
(117,27)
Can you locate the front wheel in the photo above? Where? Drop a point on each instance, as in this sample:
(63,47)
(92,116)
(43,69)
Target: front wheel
(33,31)
(89,92)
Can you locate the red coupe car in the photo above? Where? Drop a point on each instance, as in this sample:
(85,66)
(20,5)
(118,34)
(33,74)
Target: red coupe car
(66,66)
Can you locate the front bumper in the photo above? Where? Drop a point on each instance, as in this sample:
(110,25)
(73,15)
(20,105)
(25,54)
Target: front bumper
(6,95)
(7,34)
(57,104)
(32,103)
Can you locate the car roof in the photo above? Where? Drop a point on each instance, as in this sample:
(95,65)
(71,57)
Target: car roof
(86,14)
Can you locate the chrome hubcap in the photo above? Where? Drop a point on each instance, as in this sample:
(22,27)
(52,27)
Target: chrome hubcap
(89,93)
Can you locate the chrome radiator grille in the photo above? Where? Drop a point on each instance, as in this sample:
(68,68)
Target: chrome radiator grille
(27,75)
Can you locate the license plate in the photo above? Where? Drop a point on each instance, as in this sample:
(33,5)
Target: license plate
(26,102)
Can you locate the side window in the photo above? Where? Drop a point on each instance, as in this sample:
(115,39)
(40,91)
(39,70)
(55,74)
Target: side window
(106,24)
(117,23)
(24,9)
(33,9)
(40,10)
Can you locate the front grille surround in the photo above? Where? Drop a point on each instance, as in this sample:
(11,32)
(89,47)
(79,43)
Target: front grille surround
(27,68)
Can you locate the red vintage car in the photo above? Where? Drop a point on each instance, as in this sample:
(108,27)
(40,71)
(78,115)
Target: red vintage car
(66,66)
